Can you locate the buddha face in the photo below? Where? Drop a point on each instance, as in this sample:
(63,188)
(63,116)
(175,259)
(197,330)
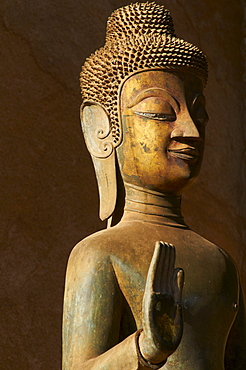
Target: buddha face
(163,120)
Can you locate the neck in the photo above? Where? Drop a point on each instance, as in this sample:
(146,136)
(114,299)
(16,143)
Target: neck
(151,206)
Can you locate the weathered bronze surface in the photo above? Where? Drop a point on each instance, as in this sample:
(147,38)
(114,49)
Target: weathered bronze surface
(127,302)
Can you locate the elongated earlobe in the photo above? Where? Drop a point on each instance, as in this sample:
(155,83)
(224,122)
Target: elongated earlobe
(99,141)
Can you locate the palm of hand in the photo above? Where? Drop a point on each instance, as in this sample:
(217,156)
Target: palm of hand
(162,313)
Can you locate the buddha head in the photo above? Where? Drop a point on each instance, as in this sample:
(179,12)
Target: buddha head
(143,105)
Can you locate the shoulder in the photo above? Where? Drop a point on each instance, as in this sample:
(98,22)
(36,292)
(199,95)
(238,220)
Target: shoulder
(217,255)
(105,241)
(90,262)
(96,247)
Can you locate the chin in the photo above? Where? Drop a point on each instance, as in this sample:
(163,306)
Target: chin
(174,186)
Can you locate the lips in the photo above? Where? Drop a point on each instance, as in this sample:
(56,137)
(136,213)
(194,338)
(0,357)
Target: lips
(187,153)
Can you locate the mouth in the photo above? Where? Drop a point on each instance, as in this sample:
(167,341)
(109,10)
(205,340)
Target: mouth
(186,153)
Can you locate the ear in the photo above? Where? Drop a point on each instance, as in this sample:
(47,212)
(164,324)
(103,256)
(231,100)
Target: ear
(99,141)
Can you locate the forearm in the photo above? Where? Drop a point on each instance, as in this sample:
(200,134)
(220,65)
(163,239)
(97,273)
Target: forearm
(122,356)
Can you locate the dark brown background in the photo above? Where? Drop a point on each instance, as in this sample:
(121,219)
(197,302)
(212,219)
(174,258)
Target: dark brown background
(48,190)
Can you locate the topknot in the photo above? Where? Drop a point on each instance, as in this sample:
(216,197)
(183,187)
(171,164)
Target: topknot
(145,18)
(139,36)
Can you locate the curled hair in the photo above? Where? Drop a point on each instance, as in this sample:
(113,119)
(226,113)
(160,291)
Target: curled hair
(139,36)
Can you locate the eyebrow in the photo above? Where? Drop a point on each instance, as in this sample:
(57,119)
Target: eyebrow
(155,92)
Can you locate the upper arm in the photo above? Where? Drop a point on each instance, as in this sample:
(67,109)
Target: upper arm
(235,355)
(92,306)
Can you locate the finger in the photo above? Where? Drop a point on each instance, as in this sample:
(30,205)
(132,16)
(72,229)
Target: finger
(178,283)
(168,268)
(159,277)
(152,281)
(172,258)
(178,321)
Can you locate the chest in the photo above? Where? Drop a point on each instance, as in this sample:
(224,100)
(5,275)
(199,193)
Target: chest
(210,289)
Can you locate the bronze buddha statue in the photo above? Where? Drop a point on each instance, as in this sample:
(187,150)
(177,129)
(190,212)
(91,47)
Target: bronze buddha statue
(148,292)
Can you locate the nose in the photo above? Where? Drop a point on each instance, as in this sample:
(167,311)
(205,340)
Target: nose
(185,127)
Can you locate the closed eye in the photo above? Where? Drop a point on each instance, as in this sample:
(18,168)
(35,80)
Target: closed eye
(199,112)
(157,116)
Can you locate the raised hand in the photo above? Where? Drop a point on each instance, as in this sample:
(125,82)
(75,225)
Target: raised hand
(162,312)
